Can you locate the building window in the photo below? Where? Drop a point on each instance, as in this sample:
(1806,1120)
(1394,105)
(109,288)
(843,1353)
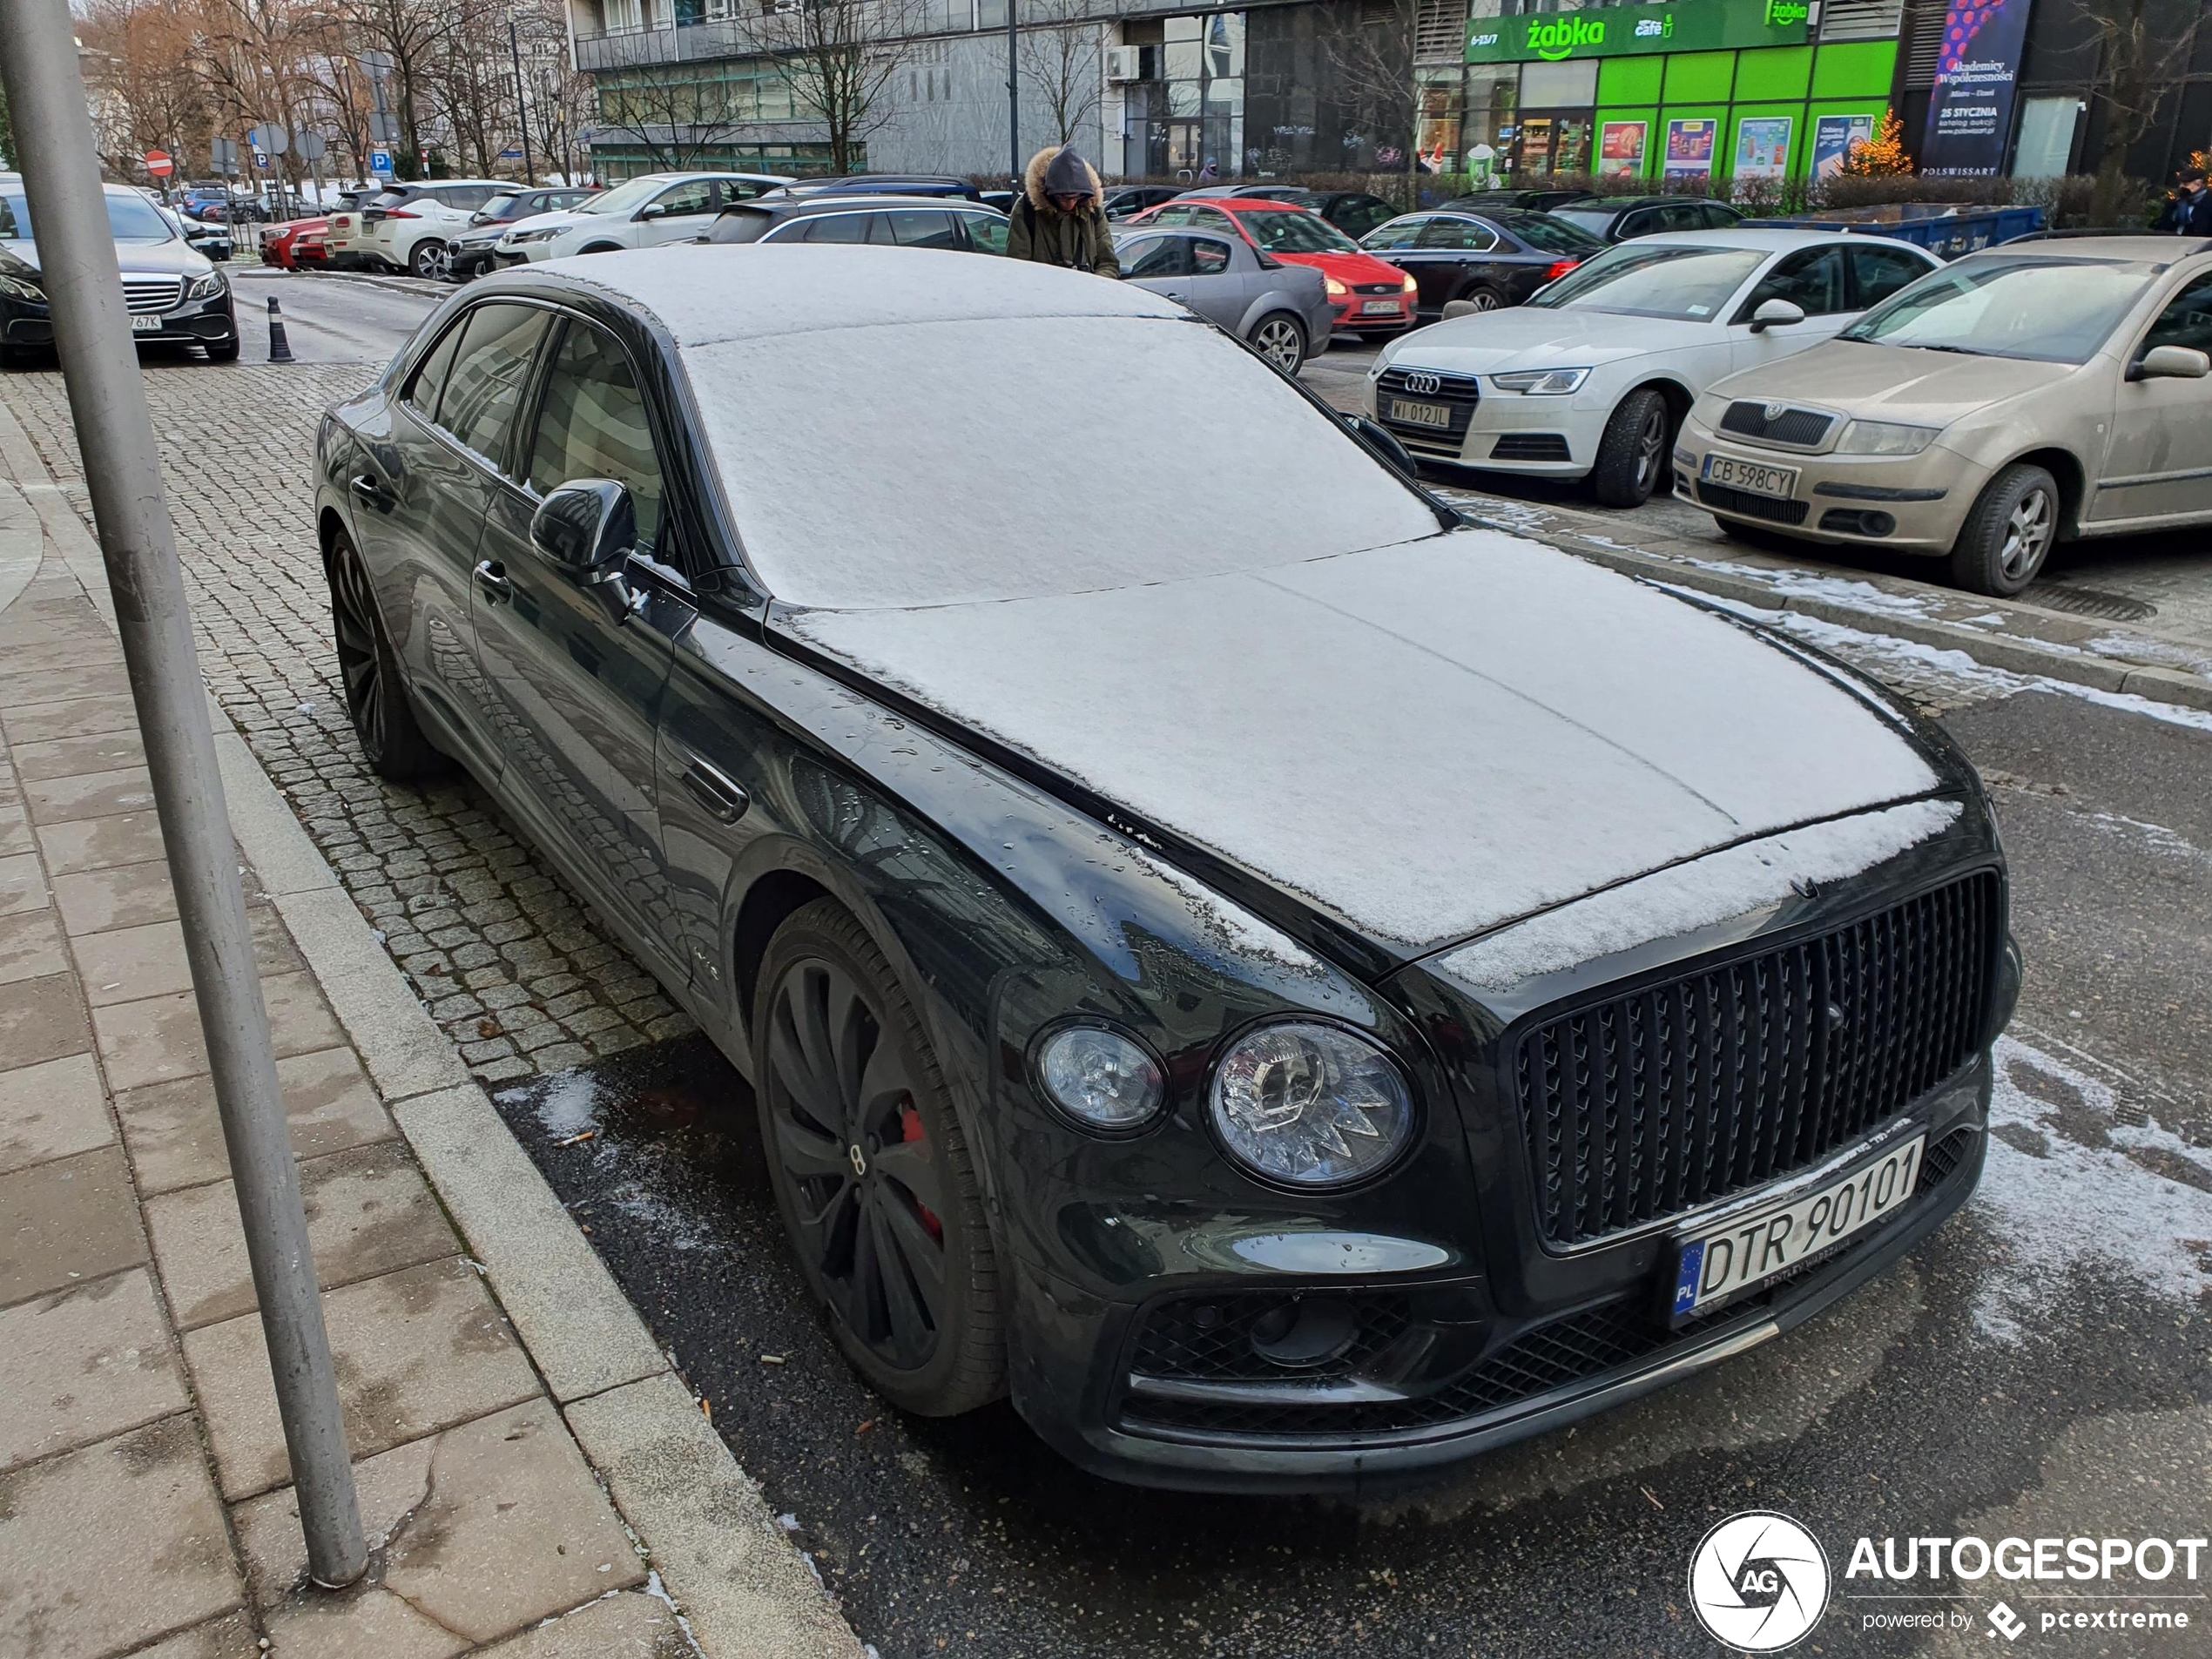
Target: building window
(2047,137)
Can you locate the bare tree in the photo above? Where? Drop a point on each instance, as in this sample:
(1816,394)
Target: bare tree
(1372,57)
(471,85)
(412,36)
(1063,63)
(675,112)
(2143,49)
(142,69)
(839,57)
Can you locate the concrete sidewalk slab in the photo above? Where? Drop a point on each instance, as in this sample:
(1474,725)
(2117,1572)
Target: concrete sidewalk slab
(175,1134)
(51,1111)
(111,1546)
(84,1363)
(66,1223)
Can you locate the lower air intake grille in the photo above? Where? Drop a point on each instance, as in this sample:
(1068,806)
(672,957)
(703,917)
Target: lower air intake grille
(1530,446)
(1746,505)
(1642,1106)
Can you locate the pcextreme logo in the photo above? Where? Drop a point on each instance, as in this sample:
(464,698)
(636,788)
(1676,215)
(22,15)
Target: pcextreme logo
(1759,1582)
(1556,38)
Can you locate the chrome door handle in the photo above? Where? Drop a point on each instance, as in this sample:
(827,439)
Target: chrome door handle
(492,578)
(365,488)
(726,802)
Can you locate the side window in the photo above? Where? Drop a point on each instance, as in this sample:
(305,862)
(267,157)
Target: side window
(1813,281)
(429,377)
(838,227)
(1356,218)
(592,425)
(487,374)
(1213,217)
(1163,256)
(1399,234)
(1684,216)
(1458,233)
(1642,223)
(1881,272)
(922,227)
(986,233)
(2187,319)
(1208,257)
(681,201)
(742,190)
(1172,216)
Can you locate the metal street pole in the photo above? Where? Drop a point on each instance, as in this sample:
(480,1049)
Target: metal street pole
(1013,97)
(84,287)
(521,104)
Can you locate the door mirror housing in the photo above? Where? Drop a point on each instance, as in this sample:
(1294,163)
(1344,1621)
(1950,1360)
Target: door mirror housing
(586,529)
(2172,363)
(1776,313)
(1381,439)
(653,210)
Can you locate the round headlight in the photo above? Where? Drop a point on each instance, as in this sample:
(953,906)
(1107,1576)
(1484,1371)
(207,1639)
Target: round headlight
(1100,1078)
(1310,1104)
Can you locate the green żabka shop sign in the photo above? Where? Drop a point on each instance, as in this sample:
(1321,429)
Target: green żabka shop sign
(1613,31)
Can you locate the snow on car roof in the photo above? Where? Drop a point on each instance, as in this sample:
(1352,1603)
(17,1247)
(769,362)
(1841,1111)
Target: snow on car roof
(1751,235)
(704,294)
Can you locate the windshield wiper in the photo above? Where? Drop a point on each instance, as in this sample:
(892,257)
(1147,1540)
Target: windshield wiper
(1963,351)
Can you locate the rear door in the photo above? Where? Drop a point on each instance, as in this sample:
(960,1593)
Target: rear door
(576,671)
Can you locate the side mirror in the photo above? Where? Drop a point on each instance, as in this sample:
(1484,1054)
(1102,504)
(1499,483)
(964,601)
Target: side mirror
(1383,440)
(1776,313)
(653,210)
(586,529)
(2172,363)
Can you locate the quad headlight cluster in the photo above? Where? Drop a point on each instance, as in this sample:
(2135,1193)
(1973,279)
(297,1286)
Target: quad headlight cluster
(1295,1101)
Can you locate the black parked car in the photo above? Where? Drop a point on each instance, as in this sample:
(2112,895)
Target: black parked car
(470,254)
(1623,218)
(1488,259)
(173,292)
(883,183)
(886,222)
(1295,1005)
(1352,212)
(1534,201)
(1126,201)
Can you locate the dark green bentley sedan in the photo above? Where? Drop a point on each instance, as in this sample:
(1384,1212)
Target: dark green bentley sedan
(1294,989)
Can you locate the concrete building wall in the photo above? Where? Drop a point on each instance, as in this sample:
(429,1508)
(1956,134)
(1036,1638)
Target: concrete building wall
(948,110)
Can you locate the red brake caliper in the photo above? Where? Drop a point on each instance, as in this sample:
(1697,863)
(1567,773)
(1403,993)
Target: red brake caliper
(910,1130)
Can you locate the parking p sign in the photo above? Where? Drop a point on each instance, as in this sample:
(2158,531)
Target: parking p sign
(380,161)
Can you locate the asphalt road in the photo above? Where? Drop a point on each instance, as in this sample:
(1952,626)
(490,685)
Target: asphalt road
(330,318)
(2040,1366)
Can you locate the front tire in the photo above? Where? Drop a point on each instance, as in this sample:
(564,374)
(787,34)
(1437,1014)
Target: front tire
(1632,455)
(2008,538)
(430,261)
(1280,338)
(376,699)
(871,1172)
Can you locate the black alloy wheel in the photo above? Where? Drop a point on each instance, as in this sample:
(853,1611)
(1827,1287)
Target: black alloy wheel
(376,700)
(1632,455)
(871,1170)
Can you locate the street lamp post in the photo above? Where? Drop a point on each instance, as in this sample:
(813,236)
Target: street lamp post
(1013,97)
(522,103)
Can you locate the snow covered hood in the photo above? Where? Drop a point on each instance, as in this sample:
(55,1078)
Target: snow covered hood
(1534,337)
(1423,740)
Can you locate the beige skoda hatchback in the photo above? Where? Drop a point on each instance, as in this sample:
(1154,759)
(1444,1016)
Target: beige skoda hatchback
(2033,393)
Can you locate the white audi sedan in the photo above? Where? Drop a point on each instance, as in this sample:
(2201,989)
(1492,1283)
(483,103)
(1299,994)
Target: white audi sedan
(649,210)
(1591,378)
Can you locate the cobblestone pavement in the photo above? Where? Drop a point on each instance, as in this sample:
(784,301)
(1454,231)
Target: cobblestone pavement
(510,963)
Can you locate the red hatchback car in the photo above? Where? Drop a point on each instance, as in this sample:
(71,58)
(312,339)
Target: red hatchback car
(1368,297)
(289,246)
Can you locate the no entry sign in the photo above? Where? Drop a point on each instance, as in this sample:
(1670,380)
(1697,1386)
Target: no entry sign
(159,163)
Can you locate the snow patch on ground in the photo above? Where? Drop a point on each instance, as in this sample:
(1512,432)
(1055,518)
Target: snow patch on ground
(2085,1193)
(1843,590)
(1712,889)
(2136,648)
(570,1105)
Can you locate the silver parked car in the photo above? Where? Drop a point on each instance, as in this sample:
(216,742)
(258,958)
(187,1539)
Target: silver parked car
(1282,310)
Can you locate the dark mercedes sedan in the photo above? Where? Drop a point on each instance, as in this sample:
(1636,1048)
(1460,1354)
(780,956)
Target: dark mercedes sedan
(1294,989)
(1488,259)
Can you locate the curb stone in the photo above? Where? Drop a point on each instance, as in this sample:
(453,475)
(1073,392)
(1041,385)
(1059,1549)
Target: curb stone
(704,1527)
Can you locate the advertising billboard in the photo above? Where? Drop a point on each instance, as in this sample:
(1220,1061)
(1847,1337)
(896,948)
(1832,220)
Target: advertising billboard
(1970,112)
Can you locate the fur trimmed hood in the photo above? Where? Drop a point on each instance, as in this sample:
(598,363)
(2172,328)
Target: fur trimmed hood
(1033,180)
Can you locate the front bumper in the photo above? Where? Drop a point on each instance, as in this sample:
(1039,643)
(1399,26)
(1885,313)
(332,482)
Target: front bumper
(1550,437)
(1911,503)
(1073,1377)
(194,322)
(1347,316)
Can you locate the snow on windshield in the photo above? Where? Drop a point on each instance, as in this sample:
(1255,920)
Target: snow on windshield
(922,463)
